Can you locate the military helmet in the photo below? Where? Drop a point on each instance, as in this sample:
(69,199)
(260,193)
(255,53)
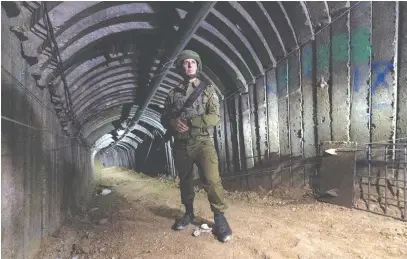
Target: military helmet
(189,54)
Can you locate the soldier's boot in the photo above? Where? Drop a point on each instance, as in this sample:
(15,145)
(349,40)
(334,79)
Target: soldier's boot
(222,228)
(187,219)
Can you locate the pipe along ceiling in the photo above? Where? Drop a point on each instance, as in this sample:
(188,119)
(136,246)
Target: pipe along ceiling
(109,65)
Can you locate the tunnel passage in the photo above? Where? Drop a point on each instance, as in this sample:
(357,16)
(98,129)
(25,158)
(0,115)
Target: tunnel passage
(86,80)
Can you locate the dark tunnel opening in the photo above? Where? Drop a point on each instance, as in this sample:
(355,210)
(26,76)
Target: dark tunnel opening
(149,157)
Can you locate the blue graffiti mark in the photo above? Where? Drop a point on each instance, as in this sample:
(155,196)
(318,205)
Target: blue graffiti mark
(356,79)
(307,62)
(382,68)
(271,88)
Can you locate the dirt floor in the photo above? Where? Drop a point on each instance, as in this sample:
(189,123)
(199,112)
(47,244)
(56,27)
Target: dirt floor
(135,219)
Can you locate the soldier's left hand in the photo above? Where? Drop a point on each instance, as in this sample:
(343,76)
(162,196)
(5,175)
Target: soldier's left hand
(179,125)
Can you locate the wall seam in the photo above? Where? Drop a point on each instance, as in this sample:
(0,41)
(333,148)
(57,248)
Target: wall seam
(348,65)
(369,94)
(395,80)
(300,59)
(330,84)
(288,116)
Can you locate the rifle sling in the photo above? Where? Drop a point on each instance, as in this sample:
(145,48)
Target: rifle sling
(193,96)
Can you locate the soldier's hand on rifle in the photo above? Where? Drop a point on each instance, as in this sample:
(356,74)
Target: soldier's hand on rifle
(179,125)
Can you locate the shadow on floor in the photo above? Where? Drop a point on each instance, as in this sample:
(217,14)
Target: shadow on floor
(171,213)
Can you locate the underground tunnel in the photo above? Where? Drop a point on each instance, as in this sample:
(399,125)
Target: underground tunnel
(312,100)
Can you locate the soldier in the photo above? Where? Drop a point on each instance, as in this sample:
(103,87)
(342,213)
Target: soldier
(193,134)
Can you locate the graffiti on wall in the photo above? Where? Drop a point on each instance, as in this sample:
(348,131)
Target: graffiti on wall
(323,53)
(361,53)
(307,61)
(340,47)
(381,69)
(271,88)
(360,46)
(360,50)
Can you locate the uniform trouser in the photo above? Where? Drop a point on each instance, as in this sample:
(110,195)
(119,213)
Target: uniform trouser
(202,152)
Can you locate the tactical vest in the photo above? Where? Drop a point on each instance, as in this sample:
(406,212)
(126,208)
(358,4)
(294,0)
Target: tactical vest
(198,108)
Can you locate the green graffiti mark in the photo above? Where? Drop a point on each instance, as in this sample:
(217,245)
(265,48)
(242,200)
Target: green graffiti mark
(340,47)
(360,45)
(323,56)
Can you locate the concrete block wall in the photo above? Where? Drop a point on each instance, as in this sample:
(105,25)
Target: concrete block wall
(44,174)
(347,84)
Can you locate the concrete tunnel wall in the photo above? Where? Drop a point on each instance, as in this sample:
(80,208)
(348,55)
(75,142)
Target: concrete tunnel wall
(347,84)
(45,175)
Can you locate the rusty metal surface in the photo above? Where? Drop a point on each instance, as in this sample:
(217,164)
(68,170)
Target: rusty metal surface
(381,178)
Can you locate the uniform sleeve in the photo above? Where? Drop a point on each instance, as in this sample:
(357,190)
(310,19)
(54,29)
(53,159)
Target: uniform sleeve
(212,117)
(165,118)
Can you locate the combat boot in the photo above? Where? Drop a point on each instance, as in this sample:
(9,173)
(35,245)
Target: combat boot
(183,222)
(222,228)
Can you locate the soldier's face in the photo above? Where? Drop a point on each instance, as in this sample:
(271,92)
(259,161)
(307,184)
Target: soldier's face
(190,67)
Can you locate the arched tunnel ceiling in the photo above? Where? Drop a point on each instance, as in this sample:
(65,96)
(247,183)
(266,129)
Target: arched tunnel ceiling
(111,50)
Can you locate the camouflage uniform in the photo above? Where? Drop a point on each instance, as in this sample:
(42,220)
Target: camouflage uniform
(196,145)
